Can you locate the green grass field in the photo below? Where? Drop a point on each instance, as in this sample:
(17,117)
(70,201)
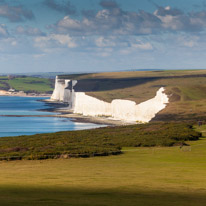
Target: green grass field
(159,176)
(27,84)
(141,176)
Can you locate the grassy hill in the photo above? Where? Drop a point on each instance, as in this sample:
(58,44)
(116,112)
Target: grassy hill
(95,142)
(146,174)
(27,84)
(186,89)
(158,176)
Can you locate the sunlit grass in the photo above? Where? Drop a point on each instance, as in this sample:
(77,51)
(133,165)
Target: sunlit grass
(141,176)
(27,84)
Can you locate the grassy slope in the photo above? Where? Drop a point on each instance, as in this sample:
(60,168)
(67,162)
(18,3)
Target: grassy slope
(142,176)
(27,84)
(96,142)
(187,90)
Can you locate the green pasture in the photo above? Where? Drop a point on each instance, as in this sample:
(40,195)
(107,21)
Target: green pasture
(27,84)
(141,176)
(158,176)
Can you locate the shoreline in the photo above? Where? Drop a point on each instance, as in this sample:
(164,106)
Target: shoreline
(57,107)
(78,118)
(22,94)
(95,120)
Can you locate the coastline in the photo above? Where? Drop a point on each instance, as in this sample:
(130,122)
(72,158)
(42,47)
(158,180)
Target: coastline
(95,120)
(22,94)
(79,118)
(84,119)
(57,107)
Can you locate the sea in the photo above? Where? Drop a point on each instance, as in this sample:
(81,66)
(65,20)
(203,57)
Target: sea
(11,125)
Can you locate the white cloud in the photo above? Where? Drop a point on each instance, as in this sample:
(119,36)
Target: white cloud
(142,46)
(188,41)
(54,40)
(64,40)
(105,42)
(37,56)
(69,23)
(109,21)
(30,31)
(104,52)
(113,20)
(14,43)
(10,41)
(3,31)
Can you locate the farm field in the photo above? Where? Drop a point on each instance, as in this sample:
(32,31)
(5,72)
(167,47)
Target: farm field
(162,176)
(27,84)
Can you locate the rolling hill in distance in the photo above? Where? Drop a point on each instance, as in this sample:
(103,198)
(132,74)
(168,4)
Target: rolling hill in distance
(185,88)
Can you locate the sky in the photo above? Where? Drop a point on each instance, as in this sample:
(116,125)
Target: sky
(101,35)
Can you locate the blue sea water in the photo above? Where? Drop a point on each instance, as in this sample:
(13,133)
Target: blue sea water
(16,126)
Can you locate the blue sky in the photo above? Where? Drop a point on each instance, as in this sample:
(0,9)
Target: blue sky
(101,35)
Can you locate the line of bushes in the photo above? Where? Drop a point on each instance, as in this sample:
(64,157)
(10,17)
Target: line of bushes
(95,142)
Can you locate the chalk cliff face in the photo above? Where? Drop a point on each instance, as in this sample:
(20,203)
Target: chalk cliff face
(118,109)
(90,106)
(64,91)
(58,93)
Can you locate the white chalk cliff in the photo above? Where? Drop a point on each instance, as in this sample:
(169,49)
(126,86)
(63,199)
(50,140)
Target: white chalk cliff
(63,91)
(118,109)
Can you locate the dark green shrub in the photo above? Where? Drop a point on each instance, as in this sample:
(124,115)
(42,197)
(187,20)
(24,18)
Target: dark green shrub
(96,142)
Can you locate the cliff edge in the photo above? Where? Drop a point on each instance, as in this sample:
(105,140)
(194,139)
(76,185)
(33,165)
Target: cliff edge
(118,109)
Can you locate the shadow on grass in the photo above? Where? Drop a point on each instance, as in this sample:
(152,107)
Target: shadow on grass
(98,197)
(189,118)
(106,84)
